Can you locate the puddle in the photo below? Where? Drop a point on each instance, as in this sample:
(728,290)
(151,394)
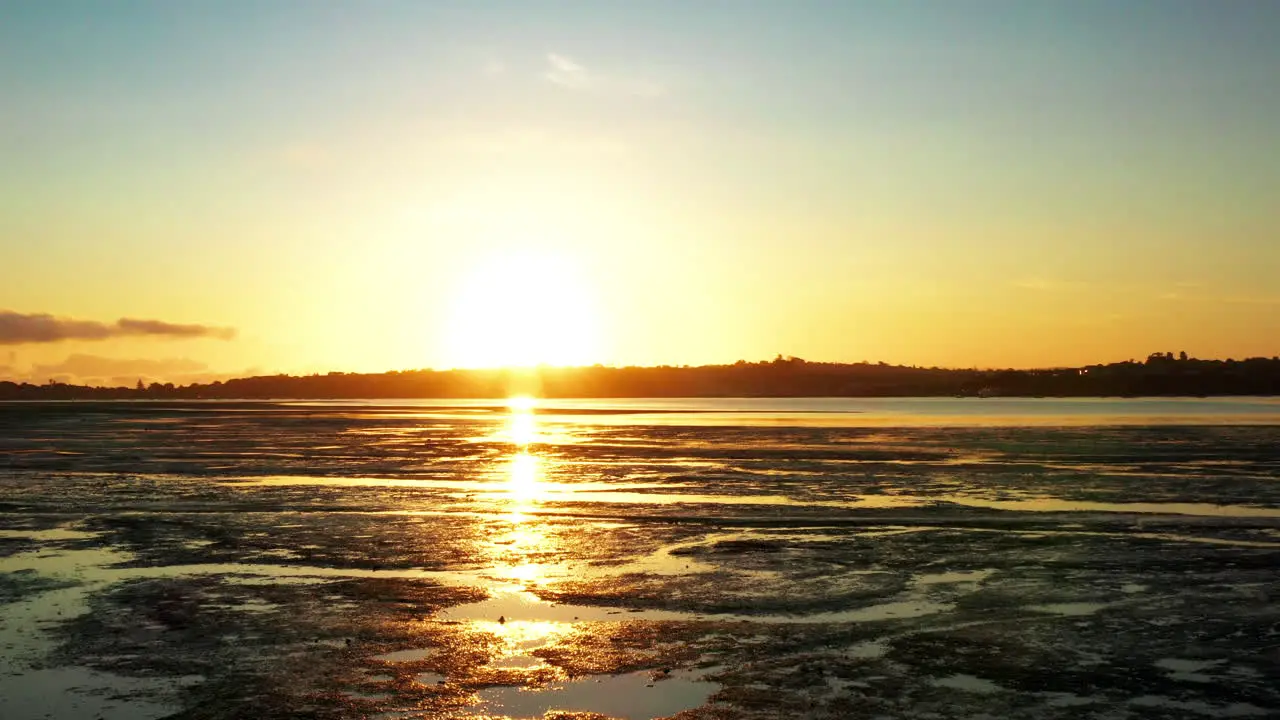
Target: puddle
(625,493)
(1187,670)
(522,605)
(518,662)
(1068,609)
(82,693)
(406,655)
(1199,707)
(482,487)
(50,535)
(968,683)
(86,565)
(428,678)
(527,606)
(31,691)
(1050,504)
(836,685)
(1065,699)
(1229,542)
(370,697)
(255,606)
(614,493)
(633,696)
(524,636)
(104,565)
(667,562)
(959,576)
(869,650)
(899,610)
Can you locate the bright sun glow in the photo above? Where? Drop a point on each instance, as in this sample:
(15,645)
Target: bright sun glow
(522,310)
(522,403)
(521,636)
(522,426)
(524,485)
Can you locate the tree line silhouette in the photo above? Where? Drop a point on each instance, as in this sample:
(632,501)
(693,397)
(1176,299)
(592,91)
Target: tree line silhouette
(1159,374)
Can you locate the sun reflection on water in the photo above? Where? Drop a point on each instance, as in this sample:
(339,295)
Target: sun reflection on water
(529,573)
(524,481)
(520,638)
(517,548)
(522,403)
(522,427)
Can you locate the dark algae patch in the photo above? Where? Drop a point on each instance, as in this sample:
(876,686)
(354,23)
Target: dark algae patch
(26,584)
(262,649)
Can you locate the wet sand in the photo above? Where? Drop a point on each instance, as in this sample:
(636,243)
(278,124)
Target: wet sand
(258,561)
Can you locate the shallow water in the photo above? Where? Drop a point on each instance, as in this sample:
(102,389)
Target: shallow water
(746,558)
(631,696)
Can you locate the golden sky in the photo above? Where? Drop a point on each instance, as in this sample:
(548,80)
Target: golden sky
(407,185)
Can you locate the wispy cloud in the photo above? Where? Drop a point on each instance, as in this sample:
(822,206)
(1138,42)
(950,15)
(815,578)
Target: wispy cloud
(570,73)
(18,328)
(564,70)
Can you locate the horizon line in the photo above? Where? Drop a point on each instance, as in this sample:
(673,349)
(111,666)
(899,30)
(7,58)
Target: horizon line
(779,360)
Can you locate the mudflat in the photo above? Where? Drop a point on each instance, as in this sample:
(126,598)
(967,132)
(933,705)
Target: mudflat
(211,560)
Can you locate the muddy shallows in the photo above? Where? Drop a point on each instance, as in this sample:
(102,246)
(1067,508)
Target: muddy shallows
(218,564)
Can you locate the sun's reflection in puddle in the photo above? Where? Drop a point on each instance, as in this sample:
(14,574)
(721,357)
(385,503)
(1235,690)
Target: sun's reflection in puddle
(517,543)
(525,488)
(524,554)
(521,428)
(525,483)
(521,637)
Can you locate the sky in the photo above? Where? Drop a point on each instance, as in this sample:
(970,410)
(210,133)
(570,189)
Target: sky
(209,189)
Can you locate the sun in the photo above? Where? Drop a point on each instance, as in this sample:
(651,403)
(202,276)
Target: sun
(522,310)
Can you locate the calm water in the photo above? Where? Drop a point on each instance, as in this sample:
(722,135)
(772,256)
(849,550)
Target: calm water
(909,412)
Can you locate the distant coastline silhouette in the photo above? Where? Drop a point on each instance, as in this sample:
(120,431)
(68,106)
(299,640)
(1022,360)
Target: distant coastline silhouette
(1160,374)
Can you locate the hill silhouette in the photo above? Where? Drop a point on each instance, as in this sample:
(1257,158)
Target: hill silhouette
(1159,374)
